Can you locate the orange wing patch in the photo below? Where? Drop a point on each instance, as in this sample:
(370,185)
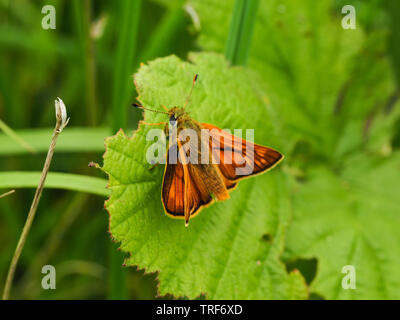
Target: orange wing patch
(182,195)
(225,146)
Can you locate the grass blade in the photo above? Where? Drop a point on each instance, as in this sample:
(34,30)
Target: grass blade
(124,61)
(72,140)
(83,13)
(241,31)
(393,8)
(162,35)
(55,180)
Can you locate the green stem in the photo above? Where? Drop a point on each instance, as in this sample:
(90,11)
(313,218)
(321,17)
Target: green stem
(393,8)
(82,15)
(241,30)
(164,33)
(90,65)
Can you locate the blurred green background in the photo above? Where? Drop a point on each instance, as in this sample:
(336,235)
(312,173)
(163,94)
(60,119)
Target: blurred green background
(88,61)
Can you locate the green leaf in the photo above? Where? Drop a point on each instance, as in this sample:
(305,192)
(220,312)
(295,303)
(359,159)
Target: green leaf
(350,219)
(224,252)
(55,180)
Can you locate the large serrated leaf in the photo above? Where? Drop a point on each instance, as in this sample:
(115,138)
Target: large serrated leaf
(232,249)
(351,219)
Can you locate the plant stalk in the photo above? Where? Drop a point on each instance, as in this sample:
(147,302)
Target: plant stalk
(7,193)
(60,124)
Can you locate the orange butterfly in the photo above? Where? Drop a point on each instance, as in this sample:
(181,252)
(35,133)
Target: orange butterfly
(207,168)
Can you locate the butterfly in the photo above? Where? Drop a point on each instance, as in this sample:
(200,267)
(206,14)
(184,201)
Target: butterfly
(206,168)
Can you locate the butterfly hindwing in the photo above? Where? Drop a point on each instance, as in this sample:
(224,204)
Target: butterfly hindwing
(183,193)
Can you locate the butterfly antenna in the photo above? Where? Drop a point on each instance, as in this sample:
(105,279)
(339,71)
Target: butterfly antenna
(191,89)
(139,106)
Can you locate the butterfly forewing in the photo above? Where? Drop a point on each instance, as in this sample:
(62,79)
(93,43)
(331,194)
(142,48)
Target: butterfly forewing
(224,146)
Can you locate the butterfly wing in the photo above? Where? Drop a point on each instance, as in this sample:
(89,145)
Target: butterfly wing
(173,189)
(188,187)
(224,146)
(183,194)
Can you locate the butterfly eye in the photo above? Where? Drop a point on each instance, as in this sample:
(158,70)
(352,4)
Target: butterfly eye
(172,121)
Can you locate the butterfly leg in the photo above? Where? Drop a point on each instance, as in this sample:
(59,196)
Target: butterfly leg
(153,166)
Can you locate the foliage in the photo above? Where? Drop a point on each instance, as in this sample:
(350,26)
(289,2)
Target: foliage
(326,97)
(343,120)
(351,218)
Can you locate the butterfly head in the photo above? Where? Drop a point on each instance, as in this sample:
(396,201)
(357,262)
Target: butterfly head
(175,114)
